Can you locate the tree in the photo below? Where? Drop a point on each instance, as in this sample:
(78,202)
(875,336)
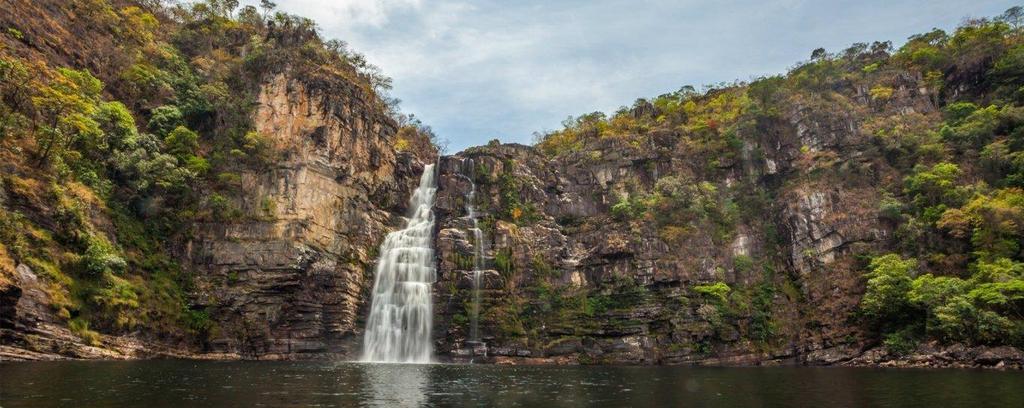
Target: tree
(229,7)
(117,124)
(1014,16)
(249,15)
(267,6)
(998,223)
(889,282)
(138,26)
(182,142)
(934,189)
(819,54)
(67,105)
(164,119)
(15,94)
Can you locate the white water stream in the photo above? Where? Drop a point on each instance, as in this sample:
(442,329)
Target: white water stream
(401,315)
(478,252)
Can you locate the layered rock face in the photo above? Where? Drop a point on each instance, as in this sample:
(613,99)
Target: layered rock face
(574,276)
(291,279)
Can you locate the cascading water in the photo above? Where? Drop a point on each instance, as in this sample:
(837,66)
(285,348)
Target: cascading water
(478,252)
(398,329)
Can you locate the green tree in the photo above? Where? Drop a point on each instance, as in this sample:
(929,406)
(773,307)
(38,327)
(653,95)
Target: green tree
(15,95)
(164,119)
(118,126)
(934,189)
(997,222)
(886,299)
(67,105)
(182,142)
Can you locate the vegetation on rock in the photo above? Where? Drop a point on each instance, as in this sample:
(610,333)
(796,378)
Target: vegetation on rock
(948,185)
(130,132)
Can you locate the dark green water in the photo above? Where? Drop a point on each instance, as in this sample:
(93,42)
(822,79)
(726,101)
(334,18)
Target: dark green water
(152,384)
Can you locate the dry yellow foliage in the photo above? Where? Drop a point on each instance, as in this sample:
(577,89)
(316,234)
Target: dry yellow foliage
(6,267)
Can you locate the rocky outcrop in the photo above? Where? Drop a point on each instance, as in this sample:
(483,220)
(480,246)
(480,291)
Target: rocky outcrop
(933,355)
(31,330)
(291,279)
(568,282)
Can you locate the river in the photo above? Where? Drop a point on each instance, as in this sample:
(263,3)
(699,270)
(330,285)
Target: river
(178,383)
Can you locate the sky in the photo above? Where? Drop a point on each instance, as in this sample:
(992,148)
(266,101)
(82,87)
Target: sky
(504,69)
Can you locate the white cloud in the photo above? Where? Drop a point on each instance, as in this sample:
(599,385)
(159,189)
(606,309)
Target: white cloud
(485,68)
(346,13)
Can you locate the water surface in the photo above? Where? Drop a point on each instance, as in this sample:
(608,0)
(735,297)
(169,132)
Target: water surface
(172,383)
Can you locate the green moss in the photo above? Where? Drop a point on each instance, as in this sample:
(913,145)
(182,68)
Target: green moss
(269,207)
(464,262)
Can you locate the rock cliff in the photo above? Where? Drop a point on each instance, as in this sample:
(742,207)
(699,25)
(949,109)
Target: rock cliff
(224,180)
(292,279)
(259,243)
(574,277)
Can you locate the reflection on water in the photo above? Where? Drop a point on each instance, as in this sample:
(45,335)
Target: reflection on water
(154,384)
(397,385)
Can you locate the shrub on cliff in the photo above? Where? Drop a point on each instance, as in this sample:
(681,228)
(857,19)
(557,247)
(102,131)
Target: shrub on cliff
(983,309)
(889,280)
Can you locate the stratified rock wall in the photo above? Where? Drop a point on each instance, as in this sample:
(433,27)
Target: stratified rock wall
(570,281)
(291,279)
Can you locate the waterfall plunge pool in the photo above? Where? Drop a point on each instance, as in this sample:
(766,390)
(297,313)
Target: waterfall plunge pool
(181,383)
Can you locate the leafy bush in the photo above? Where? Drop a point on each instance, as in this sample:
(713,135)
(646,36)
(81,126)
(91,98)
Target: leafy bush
(882,93)
(889,281)
(101,258)
(743,263)
(981,309)
(629,207)
(901,343)
(716,291)
(934,189)
(164,119)
(762,326)
(117,300)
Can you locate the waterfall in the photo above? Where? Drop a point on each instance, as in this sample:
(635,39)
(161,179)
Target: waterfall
(478,254)
(398,329)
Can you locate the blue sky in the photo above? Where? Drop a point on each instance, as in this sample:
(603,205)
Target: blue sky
(480,70)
